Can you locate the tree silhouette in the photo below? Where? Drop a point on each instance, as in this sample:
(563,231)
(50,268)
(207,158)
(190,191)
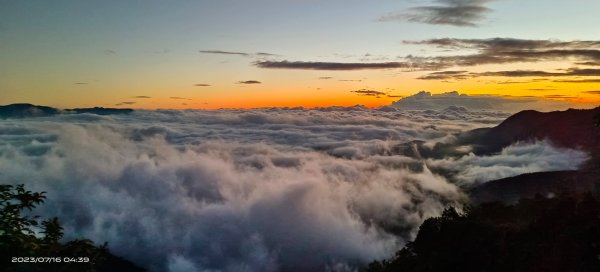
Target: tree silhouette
(537,234)
(25,241)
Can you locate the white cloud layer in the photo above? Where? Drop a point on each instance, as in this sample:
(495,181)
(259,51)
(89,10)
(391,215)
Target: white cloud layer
(241,190)
(517,159)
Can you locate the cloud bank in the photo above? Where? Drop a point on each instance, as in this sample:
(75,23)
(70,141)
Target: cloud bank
(274,189)
(517,159)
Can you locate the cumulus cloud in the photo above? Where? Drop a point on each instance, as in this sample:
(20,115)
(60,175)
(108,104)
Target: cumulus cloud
(459,13)
(427,100)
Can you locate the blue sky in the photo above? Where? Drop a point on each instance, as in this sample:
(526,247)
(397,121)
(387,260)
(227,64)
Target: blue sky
(121,48)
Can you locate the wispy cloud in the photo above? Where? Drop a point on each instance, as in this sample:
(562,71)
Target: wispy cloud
(592,92)
(535,73)
(374,93)
(202,85)
(245,54)
(220,52)
(508,50)
(447,12)
(80,83)
(572,72)
(445,75)
(367,92)
(265,54)
(249,82)
(332,66)
(479,52)
(125,103)
(179,98)
(141,96)
(350,80)
(559,96)
(577,80)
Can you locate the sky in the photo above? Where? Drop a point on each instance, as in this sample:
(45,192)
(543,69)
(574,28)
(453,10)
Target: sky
(268,53)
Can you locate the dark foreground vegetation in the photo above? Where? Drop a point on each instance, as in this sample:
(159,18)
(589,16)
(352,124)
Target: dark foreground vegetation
(556,234)
(28,243)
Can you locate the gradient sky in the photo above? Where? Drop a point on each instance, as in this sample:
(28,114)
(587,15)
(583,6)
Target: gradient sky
(226,53)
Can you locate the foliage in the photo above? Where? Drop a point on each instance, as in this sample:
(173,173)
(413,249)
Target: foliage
(539,234)
(26,238)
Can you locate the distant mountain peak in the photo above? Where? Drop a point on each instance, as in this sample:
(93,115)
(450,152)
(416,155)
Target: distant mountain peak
(22,110)
(26,110)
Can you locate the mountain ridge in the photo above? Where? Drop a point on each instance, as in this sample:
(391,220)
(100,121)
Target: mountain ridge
(27,110)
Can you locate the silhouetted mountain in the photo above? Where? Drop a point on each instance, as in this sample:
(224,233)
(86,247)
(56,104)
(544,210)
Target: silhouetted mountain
(26,110)
(548,184)
(101,111)
(571,128)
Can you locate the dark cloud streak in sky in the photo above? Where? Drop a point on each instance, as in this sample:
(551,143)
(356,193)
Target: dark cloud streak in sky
(509,50)
(461,13)
(249,82)
(332,66)
(220,52)
(487,51)
(244,54)
(461,75)
(367,92)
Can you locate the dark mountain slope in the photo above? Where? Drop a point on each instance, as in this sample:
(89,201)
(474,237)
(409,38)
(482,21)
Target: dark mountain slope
(26,110)
(570,128)
(547,184)
(101,111)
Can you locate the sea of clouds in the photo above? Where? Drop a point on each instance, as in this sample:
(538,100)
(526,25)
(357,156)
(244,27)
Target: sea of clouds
(274,189)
